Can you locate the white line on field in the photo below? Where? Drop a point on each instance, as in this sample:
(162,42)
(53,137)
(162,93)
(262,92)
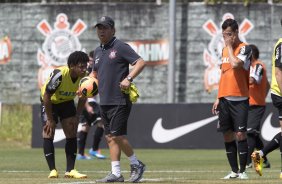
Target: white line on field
(142,180)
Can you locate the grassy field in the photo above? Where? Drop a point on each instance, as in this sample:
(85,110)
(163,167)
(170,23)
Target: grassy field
(25,165)
(15,125)
(21,164)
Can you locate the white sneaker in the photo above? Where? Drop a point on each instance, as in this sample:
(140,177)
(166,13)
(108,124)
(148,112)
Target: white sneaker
(231,175)
(243,176)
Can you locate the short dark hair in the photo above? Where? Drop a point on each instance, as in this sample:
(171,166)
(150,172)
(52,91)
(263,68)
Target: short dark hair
(255,51)
(77,57)
(230,23)
(91,53)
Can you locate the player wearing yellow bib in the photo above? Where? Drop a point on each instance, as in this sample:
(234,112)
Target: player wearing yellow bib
(57,97)
(276,96)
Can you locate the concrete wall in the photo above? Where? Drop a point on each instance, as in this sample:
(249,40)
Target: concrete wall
(19,80)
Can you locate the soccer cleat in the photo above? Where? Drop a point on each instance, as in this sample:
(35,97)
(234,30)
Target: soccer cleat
(136,172)
(257,159)
(243,176)
(83,157)
(280,175)
(110,178)
(231,175)
(266,164)
(250,165)
(96,154)
(53,174)
(75,174)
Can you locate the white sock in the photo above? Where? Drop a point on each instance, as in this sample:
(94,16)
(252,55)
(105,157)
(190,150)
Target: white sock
(133,160)
(116,168)
(261,153)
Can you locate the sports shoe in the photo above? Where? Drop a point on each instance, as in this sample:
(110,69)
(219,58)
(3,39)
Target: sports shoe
(136,172)
(75,174)
(53,174)
(110,178)
(231,175)
(96,154)
(257,159)
(83,157)
(280,175)
(266,164)
(243,176)
(250,165)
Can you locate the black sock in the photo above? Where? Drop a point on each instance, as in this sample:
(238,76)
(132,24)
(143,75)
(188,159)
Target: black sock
(49,153)
(272,145)
(243,154)
(70,150)
(82,136)
(281,150)
(231,153)
(260,146)
(251,139)
(259,143)
(97,138)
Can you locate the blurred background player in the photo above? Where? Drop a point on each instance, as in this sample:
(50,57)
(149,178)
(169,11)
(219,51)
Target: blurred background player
(57,97)
(90,117)
(258,90)
(276,96)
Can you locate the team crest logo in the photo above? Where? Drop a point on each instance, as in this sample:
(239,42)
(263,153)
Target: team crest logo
(58,44)
(112,54)
(212,55)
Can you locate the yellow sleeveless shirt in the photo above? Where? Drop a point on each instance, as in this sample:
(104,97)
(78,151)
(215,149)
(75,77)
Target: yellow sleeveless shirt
(274,86)
(67,88)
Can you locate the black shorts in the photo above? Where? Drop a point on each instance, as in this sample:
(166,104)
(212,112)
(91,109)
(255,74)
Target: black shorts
(277,102)
(233,115)
(254,119)
(115,118)
(90,118)
(62,110)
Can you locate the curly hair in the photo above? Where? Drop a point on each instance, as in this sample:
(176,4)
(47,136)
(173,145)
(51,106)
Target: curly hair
(77,57)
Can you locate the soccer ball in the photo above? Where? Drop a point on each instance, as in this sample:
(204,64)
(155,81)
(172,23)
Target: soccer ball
(88,86)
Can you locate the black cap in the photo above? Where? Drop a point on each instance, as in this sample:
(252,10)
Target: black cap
(106,21)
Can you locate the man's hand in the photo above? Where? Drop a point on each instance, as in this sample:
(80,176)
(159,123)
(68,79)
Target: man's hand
(49,127)
(125,84)
(214,107)
(89,108)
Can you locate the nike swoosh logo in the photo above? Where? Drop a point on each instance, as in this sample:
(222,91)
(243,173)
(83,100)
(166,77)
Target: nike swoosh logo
(161,135)
(267,130)
(242,153)
(48,154)
(59,135)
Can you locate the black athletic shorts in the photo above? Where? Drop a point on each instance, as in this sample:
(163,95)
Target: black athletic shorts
(233,115)
(277,102)
(62,110)
(89,118)
(115,118)
(254,119)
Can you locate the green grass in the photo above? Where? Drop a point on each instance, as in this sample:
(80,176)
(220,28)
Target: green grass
(15,125)
(18,165)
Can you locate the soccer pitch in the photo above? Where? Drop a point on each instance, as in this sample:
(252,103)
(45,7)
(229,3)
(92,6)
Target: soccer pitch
(24,165)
